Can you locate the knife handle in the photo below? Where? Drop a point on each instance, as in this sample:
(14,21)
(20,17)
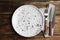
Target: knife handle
(50,28)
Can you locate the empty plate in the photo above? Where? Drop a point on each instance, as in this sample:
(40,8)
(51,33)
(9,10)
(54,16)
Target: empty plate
(27,21)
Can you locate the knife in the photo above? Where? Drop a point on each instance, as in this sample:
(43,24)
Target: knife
(51,19)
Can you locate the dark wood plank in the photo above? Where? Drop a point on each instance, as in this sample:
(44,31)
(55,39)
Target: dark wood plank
(30,0)
(6,26)
(32,38)
(57,26)
(12,6)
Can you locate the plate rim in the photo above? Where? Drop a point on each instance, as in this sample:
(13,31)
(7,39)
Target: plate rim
(13,24)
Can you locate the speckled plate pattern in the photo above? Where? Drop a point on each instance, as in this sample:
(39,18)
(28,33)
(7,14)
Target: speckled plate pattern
(27,20)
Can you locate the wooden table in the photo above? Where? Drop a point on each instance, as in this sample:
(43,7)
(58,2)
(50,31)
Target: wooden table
(7,32)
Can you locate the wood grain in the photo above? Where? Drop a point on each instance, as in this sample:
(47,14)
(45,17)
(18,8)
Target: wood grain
(13,37)
(11,6)
(6,26)
(6,30)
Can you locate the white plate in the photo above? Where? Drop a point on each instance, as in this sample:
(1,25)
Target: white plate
(27,21)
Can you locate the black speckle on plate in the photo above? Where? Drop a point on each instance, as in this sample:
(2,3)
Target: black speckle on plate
(28,23)
(40,25)
(37,25)
(32,26)
(35,15)
(23,20)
